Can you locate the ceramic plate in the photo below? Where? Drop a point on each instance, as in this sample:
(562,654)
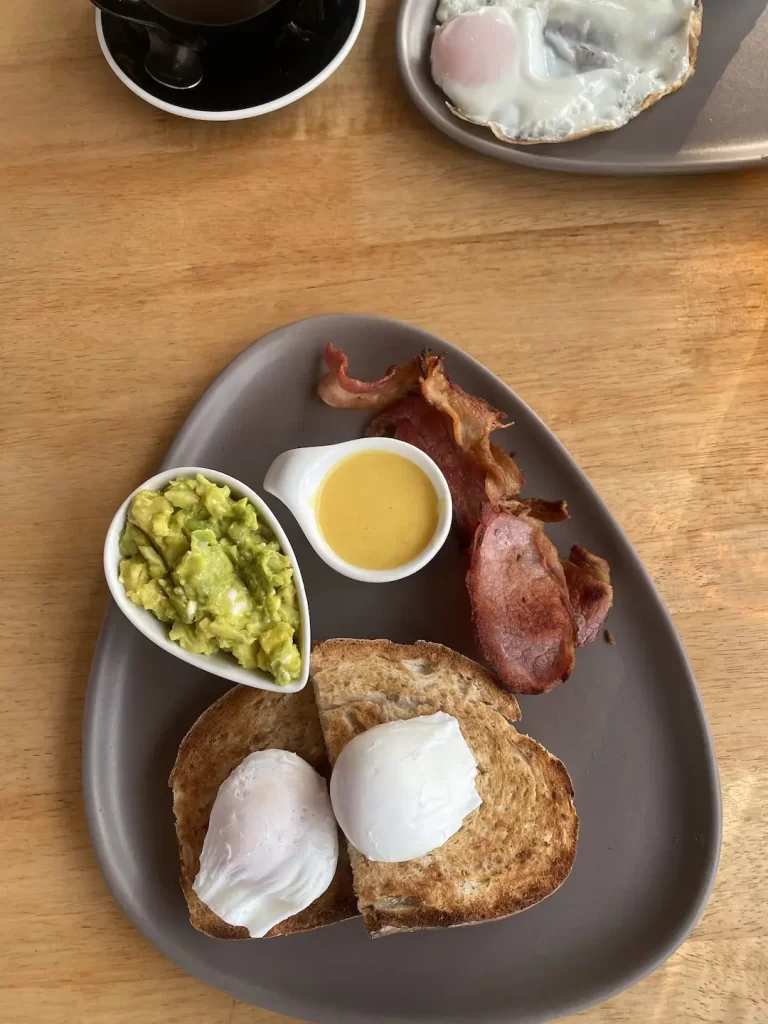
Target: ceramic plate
(629,725)
(716,123)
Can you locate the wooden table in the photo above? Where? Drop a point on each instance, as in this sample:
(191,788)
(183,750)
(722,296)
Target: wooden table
(140,253)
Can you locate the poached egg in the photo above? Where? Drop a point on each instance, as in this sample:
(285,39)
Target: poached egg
(272,844)
(551,70)
(402,789)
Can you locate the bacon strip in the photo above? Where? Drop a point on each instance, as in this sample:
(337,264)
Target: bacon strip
(474,458)
(474,420)
(454,429)
(589,587)
(414,421)
(547,511)
(340,390)
(520,605)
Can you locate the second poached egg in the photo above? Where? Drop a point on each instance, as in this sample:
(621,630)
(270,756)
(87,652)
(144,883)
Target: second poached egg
(402,789)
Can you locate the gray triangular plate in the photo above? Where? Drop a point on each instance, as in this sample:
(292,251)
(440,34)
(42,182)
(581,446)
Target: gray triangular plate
(629,725)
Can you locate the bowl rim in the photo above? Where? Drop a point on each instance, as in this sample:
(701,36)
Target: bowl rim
(236,114)
(143,620)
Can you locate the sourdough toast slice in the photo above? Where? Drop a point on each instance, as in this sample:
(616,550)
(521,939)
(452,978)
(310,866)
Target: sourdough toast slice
(514,850)
(245,720)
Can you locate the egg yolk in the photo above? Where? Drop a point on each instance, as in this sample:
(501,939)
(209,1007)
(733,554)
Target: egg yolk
(476,48)
(377,510)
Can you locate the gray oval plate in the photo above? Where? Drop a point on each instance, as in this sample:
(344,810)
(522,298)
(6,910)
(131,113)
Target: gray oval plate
(716,123)
(629,724)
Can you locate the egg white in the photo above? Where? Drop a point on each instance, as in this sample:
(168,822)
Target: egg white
(402,789)
(272,843)
(581,65)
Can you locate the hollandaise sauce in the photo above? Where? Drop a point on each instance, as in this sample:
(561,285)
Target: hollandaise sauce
(377,510)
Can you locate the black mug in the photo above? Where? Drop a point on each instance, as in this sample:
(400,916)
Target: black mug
(176,31)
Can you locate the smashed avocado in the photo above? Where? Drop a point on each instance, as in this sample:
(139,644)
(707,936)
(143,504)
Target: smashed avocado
(208,566)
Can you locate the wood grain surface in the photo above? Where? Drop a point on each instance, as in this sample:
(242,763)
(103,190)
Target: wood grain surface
(140,253)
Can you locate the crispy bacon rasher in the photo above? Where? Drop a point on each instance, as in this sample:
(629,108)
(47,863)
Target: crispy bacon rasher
(473,421)
(340,390)
(530,609)
(589,587)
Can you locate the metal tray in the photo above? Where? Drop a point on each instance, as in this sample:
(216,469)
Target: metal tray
(629,725)
(718,122)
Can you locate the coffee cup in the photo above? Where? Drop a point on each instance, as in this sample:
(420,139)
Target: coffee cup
(176,31)
(275,53)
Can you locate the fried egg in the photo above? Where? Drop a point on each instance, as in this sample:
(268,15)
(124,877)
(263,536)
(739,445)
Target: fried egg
(554,70)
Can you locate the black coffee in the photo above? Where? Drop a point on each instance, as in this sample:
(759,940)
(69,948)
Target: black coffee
(210,12)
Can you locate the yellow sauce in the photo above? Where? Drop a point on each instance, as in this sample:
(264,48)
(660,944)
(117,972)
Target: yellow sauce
(377,510)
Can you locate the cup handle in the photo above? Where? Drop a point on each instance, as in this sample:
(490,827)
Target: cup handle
(172,57)
(131,10)
(140,13)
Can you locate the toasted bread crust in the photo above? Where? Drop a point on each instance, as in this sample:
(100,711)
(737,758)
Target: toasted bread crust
(694,37)
(335,653)
(515,849)
(242,721)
